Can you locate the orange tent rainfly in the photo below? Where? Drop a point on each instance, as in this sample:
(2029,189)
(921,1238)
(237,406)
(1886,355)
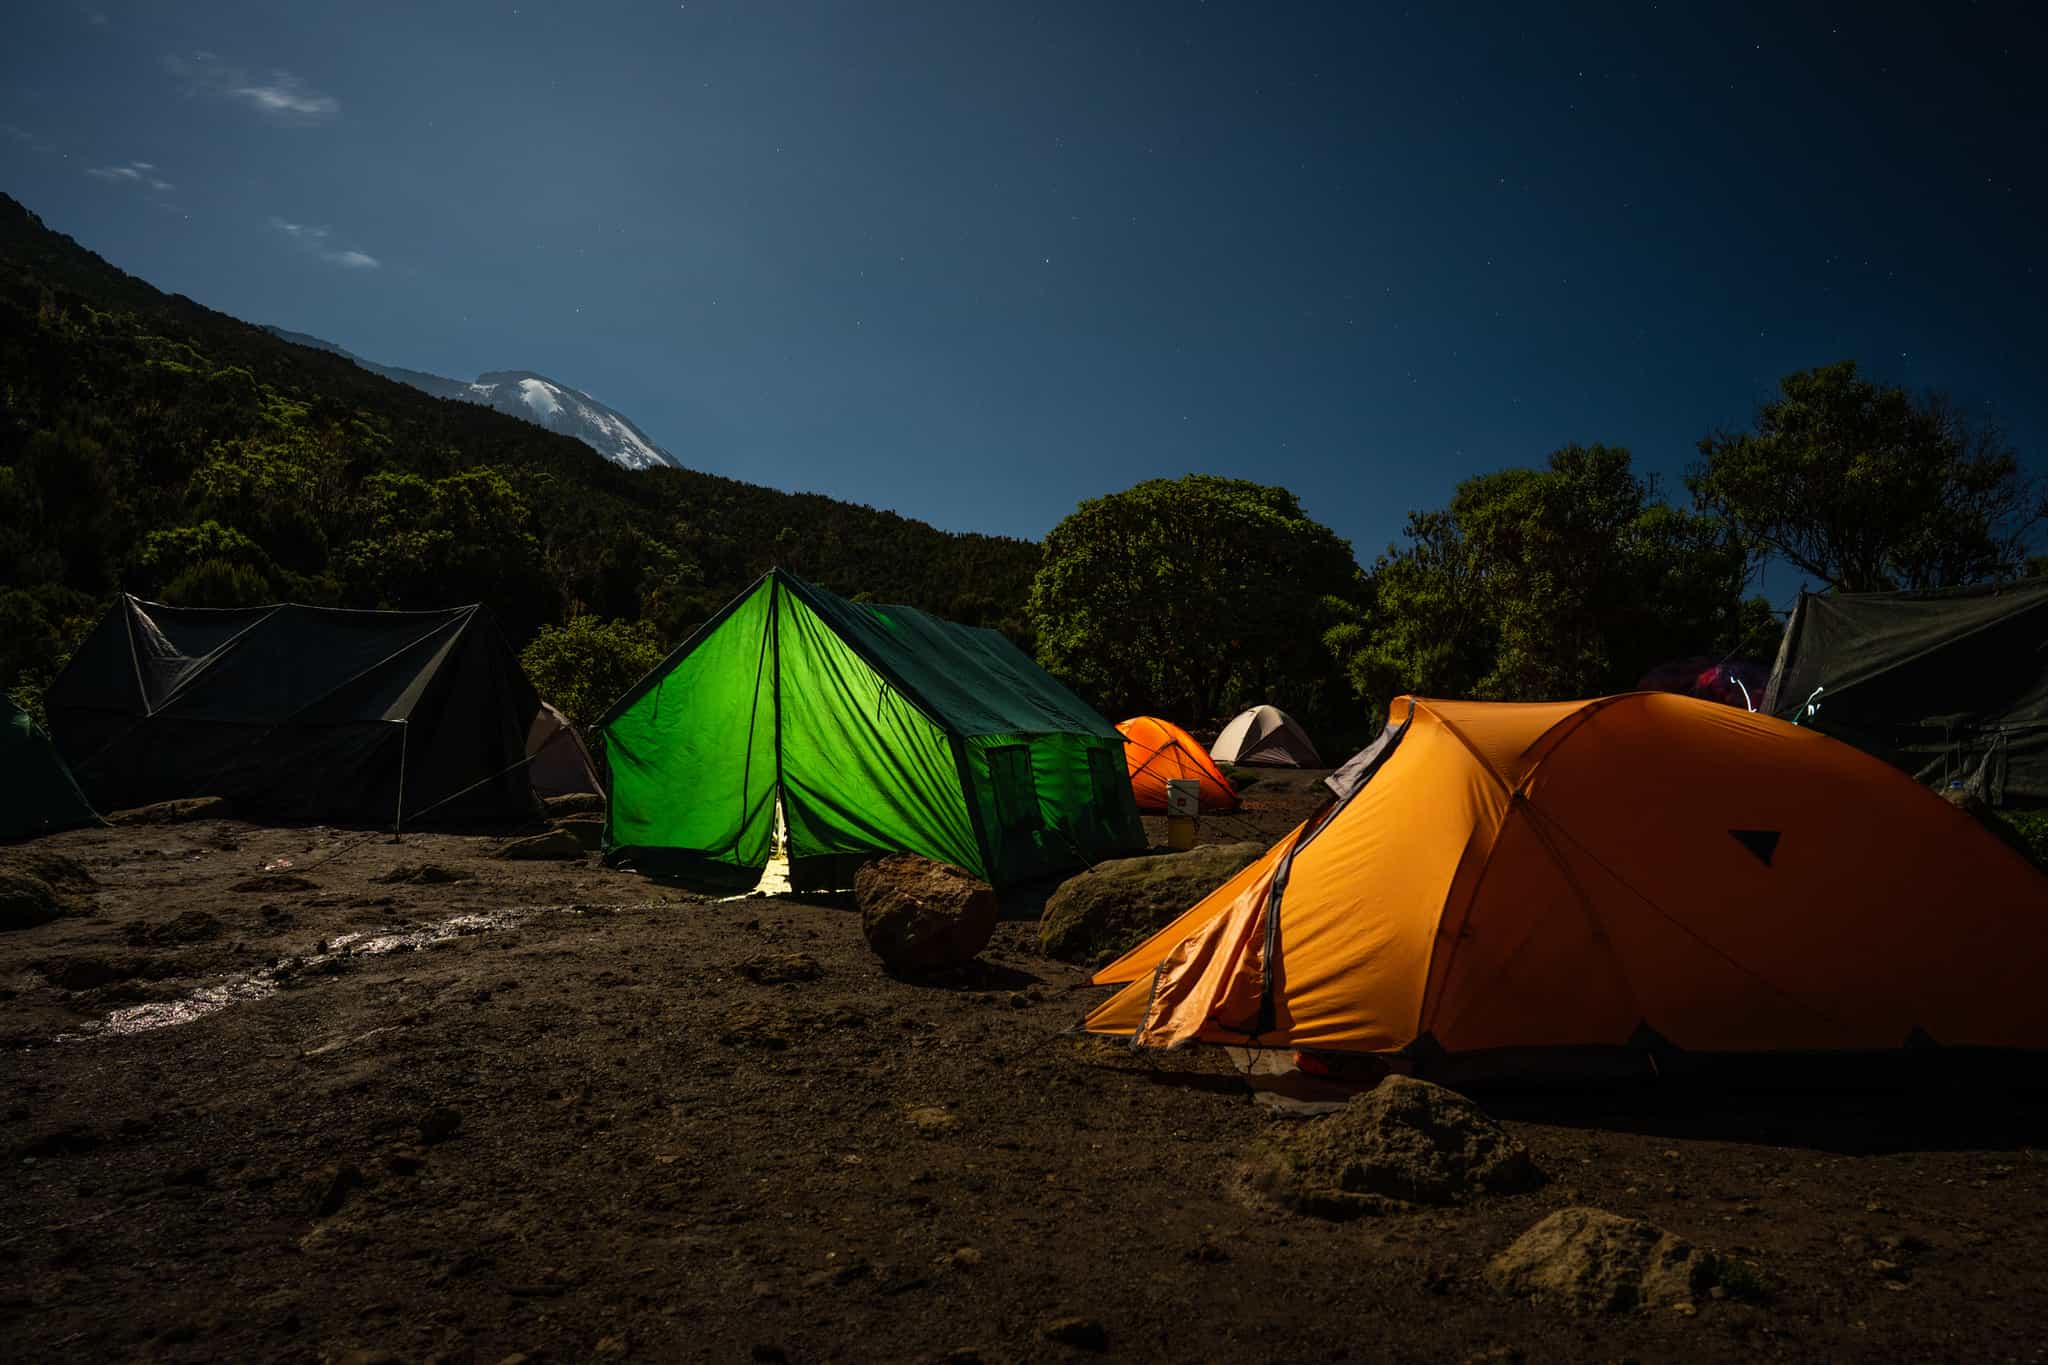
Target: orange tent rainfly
(1645,872)
(1158,750)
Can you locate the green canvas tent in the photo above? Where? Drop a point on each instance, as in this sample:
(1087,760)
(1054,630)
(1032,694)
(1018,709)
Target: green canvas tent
(37,793)
(883,729)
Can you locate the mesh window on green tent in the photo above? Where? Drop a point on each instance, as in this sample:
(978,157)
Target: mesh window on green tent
(1016,795)
(1110,774)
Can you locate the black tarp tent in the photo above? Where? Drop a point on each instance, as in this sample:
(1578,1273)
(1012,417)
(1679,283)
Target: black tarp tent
(294,712)
(1950,686)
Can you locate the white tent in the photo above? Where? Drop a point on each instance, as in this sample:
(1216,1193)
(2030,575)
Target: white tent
(1266,737)
(559,764)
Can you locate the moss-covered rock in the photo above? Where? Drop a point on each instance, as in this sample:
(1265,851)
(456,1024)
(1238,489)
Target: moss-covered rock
(1591,1260)
(25,901)
(1102,913)
(1401,1144)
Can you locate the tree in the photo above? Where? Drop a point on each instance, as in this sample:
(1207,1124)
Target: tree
(463,538)
(219,583)
(1423,626)
(1190,597)
(586,665)
(1867,489)
(1545,584)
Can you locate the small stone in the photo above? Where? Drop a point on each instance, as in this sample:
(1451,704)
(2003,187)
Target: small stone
(609,1346)
(404,1161)
(931,1120)
(1082,1333)
(1889,1270)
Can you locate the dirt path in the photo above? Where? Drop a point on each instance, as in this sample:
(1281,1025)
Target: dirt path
(571,1126)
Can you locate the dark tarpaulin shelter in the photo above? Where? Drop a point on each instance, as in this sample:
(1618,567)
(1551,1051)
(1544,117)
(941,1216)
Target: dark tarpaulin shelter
(879,729)
(294,712)
(37,793)
(1950,686)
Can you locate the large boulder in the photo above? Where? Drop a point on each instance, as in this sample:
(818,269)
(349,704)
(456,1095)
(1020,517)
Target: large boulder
(1103,913)
(66,876)
(1595,1261)
(25,901)
(1401,1144)
(923,916)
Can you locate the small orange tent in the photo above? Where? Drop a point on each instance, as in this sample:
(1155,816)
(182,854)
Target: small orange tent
(1639,871)
(1158,750)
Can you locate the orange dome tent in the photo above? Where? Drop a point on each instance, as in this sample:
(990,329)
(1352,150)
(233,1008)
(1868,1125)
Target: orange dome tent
(1158,750)
(1638,872)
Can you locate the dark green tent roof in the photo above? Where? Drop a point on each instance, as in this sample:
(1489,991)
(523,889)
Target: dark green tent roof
(1950,686)
(970,680)
(37,793)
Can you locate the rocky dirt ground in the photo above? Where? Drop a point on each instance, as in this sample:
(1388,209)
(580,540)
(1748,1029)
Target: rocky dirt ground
(327,1112)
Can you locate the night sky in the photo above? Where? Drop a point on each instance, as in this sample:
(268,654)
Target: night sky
(976,262)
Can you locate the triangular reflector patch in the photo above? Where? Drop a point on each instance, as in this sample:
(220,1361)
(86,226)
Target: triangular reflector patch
(1762,842)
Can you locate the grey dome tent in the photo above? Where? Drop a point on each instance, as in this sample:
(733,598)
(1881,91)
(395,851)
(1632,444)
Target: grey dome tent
(298,713)
(558,764)
(1265,736)
(37,792)
(1950,686)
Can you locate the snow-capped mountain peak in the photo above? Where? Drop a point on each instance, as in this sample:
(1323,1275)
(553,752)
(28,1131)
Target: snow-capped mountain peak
(532,397)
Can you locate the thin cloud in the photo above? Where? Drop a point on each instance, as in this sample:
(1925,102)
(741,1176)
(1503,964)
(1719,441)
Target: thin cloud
(316,242)
(282,96)
(26,138)
(133,172)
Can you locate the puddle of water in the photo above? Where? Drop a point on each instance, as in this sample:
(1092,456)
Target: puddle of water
(267,981)
(165,1013)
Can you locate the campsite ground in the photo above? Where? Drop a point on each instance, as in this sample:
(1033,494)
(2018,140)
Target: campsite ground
(574,1125)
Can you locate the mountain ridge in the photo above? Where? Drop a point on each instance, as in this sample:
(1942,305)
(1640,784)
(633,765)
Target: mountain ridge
(526,394)
(153,445)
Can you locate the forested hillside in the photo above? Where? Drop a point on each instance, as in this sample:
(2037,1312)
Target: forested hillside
(152,445)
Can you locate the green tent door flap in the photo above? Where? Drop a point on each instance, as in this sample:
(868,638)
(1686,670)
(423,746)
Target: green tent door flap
(882,729)
(37,793)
